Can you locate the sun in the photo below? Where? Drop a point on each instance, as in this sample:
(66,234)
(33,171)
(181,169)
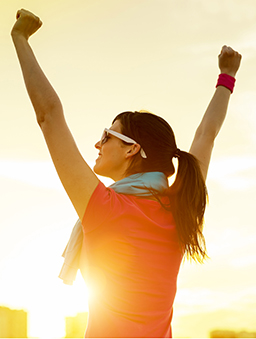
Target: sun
(46,321)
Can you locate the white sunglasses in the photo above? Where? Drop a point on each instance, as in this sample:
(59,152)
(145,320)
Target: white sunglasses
(107,131)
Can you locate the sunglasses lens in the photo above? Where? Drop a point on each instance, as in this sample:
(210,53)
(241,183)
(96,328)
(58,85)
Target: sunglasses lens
(104,138)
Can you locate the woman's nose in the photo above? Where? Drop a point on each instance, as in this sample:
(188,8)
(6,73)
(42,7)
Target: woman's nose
(97,145)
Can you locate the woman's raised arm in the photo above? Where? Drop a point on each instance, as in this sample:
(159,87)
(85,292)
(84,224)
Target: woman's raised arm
(202,145)
(76,176)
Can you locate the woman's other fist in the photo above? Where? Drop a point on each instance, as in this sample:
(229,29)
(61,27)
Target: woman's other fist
(26,24)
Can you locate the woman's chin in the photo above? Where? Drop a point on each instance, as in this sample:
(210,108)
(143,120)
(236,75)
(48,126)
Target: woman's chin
(97,169)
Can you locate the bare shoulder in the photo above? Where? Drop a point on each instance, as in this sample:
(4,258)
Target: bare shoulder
(76,176)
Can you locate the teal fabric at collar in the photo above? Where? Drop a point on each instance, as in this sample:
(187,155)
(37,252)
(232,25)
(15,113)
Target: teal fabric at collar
(140,184)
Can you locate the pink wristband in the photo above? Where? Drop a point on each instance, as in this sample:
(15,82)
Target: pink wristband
(227,81)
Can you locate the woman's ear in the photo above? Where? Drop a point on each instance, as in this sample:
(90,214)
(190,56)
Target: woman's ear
(132,150)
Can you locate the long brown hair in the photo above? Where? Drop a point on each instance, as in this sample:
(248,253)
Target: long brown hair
(188,194)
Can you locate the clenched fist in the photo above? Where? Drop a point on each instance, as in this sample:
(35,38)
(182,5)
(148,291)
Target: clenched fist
(26,24)
(229,61)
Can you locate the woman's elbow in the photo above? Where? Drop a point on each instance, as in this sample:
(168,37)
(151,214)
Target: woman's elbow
(209,134)
(49,114)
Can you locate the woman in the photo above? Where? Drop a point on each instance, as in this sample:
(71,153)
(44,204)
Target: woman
(135,233)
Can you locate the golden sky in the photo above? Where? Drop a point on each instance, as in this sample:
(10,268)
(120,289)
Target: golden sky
(108,56)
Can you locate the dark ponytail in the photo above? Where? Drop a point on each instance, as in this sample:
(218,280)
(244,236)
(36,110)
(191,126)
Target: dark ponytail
(187,195)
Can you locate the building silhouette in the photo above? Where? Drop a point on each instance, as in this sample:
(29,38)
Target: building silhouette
(231,334)
(76,326)
(13,323)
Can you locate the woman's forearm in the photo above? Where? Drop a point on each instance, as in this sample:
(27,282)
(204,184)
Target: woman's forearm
(215,113)
(229,62)
(42,95)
